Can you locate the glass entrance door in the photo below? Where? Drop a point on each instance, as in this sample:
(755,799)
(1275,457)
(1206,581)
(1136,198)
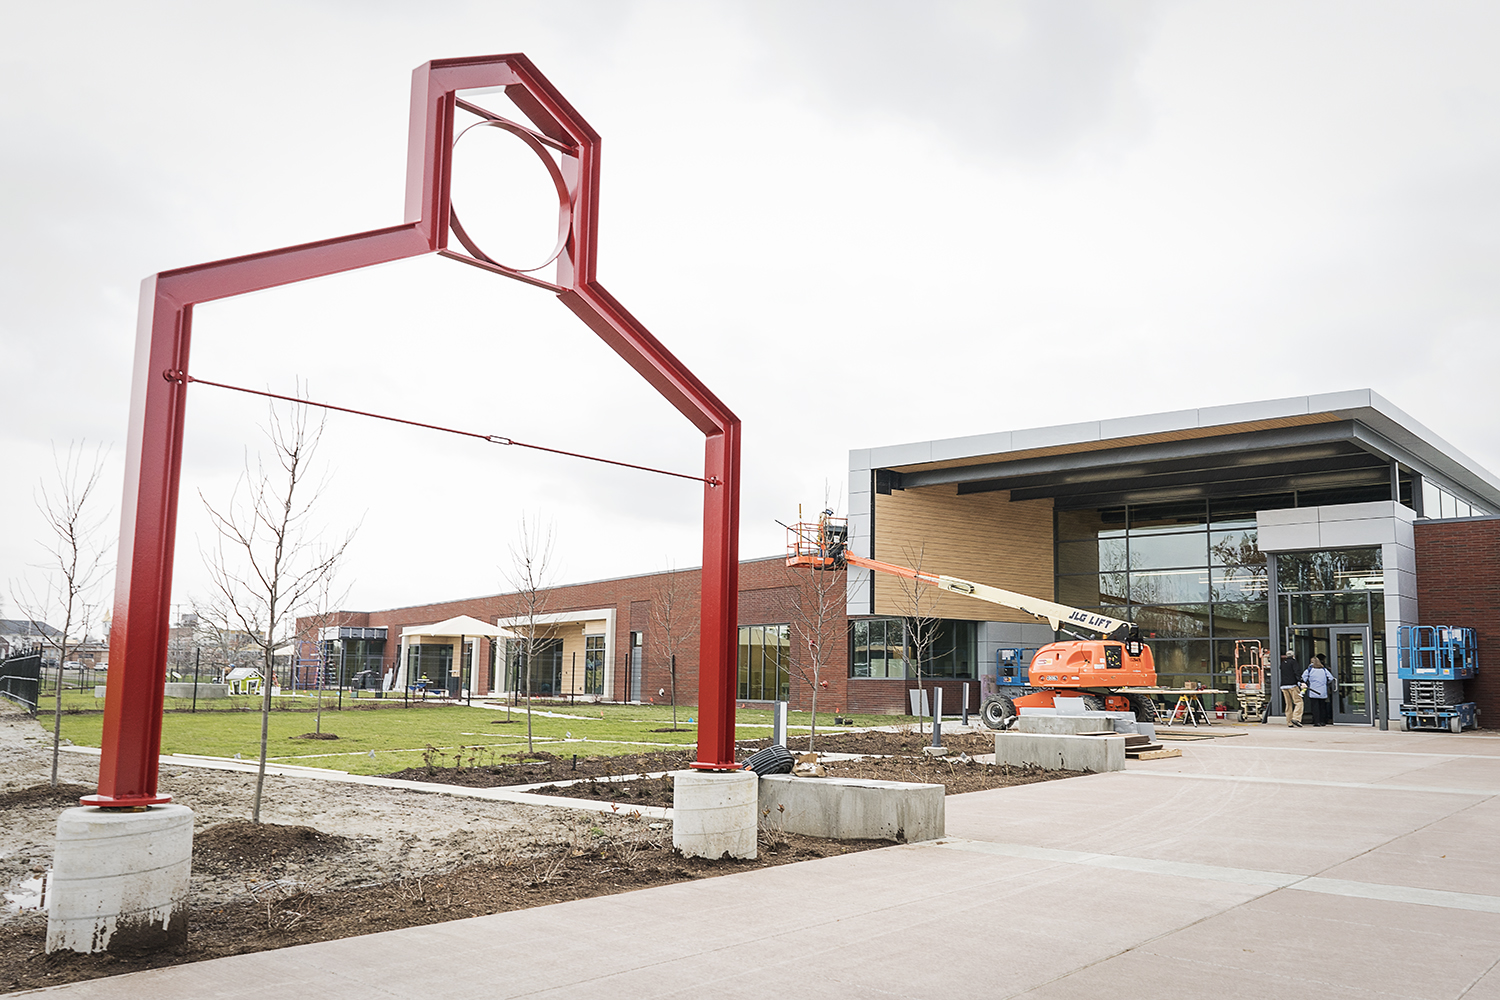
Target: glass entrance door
(634,681)
(1350,663)
(1346,650)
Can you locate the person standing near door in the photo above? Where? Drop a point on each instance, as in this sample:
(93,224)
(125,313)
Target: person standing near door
(1291,695)
(1320,687)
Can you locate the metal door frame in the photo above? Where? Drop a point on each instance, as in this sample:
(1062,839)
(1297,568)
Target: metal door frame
(1328,635)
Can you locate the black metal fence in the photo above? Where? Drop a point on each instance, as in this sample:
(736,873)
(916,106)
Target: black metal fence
(72,678)
(21,679)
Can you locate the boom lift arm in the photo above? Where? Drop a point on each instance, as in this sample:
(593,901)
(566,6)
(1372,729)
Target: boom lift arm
(824,544)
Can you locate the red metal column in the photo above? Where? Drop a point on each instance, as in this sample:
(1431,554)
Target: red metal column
(141,623)
(719,630)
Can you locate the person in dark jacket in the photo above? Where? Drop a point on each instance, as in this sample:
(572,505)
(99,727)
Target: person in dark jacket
(1291,696)
(1321,684)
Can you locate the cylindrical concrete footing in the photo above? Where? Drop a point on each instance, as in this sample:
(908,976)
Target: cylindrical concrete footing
(714,813)
(119,880)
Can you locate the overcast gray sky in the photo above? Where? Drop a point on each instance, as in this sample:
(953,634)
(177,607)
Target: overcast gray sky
(860,223)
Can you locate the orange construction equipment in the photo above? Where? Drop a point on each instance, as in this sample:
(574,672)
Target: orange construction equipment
(1250,667)
(1102,671)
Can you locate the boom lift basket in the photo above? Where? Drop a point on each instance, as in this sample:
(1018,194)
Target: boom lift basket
(817,544)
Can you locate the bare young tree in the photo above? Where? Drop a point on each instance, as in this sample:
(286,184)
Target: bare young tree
(269,562)
(530,576)
(917,601)
(77,563)
(310,631)
(818,611)
(674,622)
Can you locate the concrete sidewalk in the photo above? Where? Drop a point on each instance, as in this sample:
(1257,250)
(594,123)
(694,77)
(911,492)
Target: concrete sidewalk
(1341,863)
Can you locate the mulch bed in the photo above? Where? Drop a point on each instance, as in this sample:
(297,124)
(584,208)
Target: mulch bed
(526,769)
(900,758)
(234,846)
(63,794)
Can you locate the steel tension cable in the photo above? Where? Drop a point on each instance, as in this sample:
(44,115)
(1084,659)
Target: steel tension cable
(178,376)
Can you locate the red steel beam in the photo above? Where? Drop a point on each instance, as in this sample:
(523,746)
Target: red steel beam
(158,408)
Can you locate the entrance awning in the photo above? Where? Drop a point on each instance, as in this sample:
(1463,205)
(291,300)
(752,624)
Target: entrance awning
(462,625)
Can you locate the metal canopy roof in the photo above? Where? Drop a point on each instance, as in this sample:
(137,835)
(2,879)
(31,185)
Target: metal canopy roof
(1325,456)
(1340,441)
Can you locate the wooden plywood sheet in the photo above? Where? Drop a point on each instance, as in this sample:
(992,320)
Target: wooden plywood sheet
(982,537)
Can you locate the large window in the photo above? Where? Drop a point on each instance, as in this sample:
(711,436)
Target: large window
(1438,502)
(878,647)
(429,662)
(1330,570)
(885,647)
(1189,574)
(352,661)
(545,673)
(765,662)
(593,664)
(1332,587)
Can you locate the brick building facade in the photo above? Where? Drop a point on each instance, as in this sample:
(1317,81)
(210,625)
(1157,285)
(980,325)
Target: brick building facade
(770,595)
(1458,583)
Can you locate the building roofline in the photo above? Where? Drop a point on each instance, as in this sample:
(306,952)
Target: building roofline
(1362,405)
(558,586)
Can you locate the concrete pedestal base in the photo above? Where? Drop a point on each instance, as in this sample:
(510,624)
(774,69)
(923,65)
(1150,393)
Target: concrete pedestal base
(1069,725)
(120,879)
(1060,752)
(853,808)
(714,813)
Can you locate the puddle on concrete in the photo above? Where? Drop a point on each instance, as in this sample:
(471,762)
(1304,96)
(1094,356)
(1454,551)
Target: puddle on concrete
(28,894)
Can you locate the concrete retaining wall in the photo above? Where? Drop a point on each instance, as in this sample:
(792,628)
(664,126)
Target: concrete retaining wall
(1060,752)
(852,808)
(178,690)
(1065,725)
(205,691)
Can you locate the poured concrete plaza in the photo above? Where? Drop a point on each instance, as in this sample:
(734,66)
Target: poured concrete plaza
(1341,862)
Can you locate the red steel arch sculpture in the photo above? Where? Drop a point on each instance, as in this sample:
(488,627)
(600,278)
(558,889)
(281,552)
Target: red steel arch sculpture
(158,404)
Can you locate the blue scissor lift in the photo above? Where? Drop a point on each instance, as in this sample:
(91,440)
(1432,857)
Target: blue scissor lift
(1433,661)
(1011,676)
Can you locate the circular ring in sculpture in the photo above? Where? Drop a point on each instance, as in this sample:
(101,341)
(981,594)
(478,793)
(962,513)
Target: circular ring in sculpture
(564,196)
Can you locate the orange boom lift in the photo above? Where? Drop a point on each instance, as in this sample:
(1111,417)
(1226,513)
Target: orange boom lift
(1102,671)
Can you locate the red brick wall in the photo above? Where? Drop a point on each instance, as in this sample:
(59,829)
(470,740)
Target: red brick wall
(1458,583)
(768,596)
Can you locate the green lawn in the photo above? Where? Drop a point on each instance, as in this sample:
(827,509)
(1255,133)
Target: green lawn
(380,736)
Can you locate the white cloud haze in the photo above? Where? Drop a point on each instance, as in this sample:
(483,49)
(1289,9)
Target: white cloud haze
(859,223)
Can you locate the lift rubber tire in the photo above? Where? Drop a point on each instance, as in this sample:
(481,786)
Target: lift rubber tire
(1093,703)
(997,713)
(1456,725)
(1143,707)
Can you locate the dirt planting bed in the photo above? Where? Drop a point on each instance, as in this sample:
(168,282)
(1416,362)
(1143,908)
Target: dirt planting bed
(335,860)
(897,757)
